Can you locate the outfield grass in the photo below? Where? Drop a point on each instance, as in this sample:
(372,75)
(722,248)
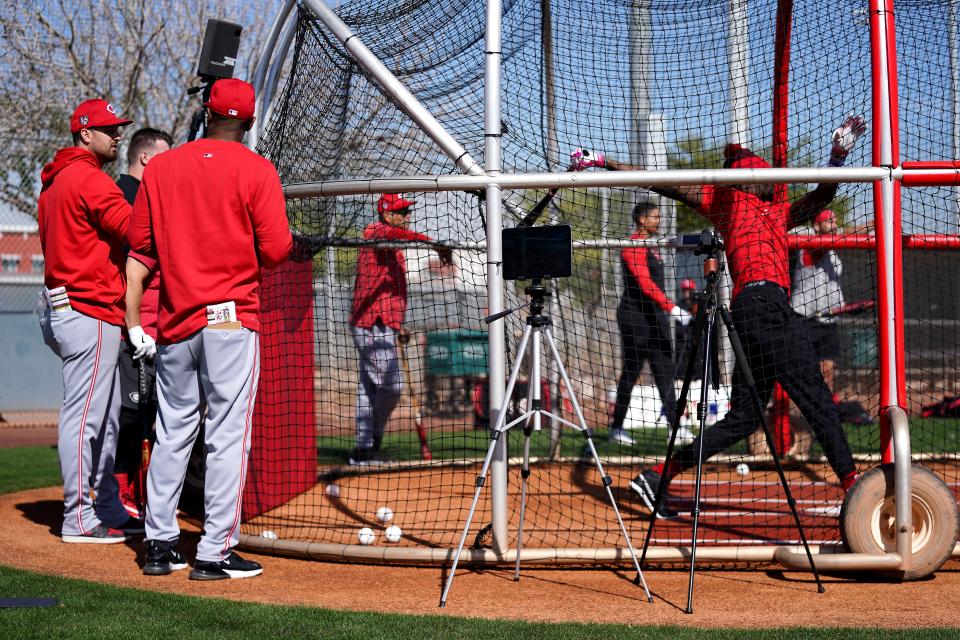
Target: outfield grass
(928,435)
(28,468)
(89,610)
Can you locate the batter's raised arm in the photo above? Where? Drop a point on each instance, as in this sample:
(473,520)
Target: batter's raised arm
(585,158)
(842,142)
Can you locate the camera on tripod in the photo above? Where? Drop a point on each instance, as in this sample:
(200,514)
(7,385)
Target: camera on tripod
(711,244)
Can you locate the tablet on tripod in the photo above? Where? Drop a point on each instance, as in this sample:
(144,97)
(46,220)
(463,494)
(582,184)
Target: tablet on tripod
(537,253)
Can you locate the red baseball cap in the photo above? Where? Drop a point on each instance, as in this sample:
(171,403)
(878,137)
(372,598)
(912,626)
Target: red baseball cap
(95,113)
(739,157)
(393,202)
(823,216)
(687,283)
(232,98)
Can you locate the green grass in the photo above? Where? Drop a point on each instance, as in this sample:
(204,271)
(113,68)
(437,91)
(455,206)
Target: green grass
(928,435)
(28,468)
(88,610)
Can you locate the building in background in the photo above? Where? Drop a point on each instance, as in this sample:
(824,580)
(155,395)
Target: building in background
(30,375)
(20,250)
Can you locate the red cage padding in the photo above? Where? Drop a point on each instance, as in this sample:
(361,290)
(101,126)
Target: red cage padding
(283,444)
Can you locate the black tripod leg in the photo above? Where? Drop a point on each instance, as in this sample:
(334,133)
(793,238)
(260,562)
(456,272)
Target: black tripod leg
(708,368)
(699,322)
(741,359)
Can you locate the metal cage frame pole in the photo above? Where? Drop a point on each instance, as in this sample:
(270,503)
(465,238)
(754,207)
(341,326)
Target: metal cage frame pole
(276,67)
(493,158)
(953,42)
(886,153)
(260,71)
(738,64)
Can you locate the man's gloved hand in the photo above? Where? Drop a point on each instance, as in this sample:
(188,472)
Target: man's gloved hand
(845,137)
(144,346)
(679,315)
(581,159)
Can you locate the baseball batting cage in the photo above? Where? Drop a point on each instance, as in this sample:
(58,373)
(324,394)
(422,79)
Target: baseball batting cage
(472,110)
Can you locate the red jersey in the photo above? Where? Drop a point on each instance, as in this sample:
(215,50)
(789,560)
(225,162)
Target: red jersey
(83,219)
(643,277)
(211,213)
(755,233)
(380,290)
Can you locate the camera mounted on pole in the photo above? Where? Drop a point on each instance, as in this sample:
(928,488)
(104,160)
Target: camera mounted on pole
(711,246)
(218,57)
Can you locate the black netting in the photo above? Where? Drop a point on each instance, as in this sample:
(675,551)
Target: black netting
(653,83)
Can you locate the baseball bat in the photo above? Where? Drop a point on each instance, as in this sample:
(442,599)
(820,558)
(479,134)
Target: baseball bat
(417,418)
(848,309)
(534,214)
(146,426)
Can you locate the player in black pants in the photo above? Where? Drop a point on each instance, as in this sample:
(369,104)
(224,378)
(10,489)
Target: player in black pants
(644,316)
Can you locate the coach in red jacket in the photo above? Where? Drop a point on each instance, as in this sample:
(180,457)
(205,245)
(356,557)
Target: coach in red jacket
(83,221)
(376,319)
(211,215)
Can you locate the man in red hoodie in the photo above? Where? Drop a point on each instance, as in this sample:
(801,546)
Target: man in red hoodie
(83,220)
(376,319)
(210,215)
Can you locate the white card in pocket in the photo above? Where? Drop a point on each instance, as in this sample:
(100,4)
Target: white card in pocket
(223,313)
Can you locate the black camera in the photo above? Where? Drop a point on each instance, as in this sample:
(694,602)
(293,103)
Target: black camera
(537,253)
(710,244)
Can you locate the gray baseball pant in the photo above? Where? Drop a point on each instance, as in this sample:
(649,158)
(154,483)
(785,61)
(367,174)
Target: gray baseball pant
(216,370)
(89,420)
(380,382)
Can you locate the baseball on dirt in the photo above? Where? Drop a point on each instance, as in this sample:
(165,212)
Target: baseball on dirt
(269,535)
(384,514)
(332,490)
(743,469)
(393,533)
(366,536)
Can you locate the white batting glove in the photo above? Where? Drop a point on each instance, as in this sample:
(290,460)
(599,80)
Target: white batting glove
(581,159)
(679,315)
(144,346)
(844,137)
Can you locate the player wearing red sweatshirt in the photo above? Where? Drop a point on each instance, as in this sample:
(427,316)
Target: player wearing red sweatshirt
(83,220)
(211,215)
(376,318)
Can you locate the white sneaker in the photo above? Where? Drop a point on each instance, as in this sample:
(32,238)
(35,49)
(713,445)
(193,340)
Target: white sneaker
(620,436)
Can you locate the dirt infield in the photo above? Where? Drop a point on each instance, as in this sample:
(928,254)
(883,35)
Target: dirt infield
(757,597)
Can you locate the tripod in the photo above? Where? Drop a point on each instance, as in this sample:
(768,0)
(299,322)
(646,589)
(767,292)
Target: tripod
(703,333)
(537,324)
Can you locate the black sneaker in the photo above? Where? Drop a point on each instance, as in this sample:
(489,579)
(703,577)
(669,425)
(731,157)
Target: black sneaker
(101,534)
(162,558)
(362,457)
(646,485)
(232,567)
